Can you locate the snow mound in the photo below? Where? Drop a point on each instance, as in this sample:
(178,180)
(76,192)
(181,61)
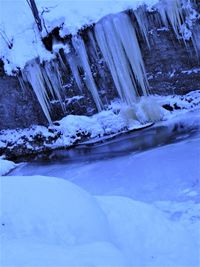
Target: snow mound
(46,221)
(147,237)
(6,166)
(53,208)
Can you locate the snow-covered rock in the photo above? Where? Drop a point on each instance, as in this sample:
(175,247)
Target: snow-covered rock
(6,166)
(75,128)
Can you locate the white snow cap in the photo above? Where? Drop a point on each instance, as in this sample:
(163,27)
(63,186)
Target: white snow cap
(18,28)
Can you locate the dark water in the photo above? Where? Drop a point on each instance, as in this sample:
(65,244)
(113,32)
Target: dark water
(122,144)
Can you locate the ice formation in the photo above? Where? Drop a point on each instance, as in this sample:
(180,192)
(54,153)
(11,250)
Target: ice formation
(115,36)
(171,13)
(79,46)
(118,43)
(45,82)
(142,20)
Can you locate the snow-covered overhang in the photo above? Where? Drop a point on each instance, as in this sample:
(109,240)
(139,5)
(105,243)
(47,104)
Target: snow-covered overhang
(20,39)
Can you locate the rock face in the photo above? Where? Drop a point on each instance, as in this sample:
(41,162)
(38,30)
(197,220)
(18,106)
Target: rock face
(18,108)
(170,68)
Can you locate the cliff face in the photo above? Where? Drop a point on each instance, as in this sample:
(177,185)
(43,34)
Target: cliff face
(18,108)
(171,67)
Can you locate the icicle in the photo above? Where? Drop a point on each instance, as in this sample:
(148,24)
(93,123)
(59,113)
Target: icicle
(171,12)
(142,21)
(130,43)
(79,46)
(72,61)
(22,83)
(119,45)
(52,78)
(196,40)
(33,74)
(92,41)
(43,81)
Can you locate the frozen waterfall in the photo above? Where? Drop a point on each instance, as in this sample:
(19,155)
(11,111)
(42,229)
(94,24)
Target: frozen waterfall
(115,41)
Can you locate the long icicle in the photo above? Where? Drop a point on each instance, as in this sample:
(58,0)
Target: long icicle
(119,45)
(79,46)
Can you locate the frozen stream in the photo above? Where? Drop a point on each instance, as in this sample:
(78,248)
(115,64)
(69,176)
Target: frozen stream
(160,163)
(147,188)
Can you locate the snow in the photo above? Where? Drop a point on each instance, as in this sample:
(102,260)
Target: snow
(63,225)
(6,166)
(67,131)
(123,167)
(136,209)
(73,15)
(53,222)
(20,39)
(117,118)
(147,237)
(18,28)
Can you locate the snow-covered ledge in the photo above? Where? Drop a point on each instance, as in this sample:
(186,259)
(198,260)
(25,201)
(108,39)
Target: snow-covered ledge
(24,144)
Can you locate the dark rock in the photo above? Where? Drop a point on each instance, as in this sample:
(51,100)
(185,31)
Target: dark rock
(168,107)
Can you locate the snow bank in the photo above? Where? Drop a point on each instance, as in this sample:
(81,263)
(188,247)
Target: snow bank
(73,128)
(6,166)
(116,119)
(53,208)
(48,221)
(177,102)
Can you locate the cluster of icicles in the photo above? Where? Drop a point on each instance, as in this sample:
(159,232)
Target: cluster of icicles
(116,38)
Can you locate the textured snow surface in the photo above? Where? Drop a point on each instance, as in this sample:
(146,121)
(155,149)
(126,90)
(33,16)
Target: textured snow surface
(6,166)
(46,221)
(18,27)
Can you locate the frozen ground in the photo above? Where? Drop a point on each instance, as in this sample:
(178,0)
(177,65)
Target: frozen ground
(166,172)
(146,213)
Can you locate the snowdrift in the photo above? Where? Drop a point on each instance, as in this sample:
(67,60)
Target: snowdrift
(46,221)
